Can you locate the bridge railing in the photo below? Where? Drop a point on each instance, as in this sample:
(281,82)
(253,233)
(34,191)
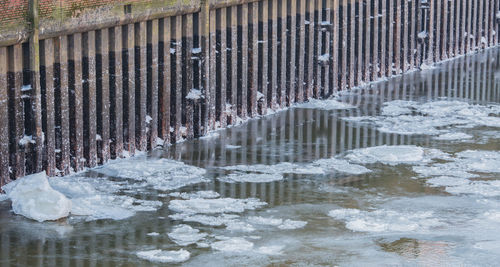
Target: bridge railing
(83,82)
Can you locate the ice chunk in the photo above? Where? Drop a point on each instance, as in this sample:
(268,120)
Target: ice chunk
(290,224)
(385,220)
(482,188)
(161,174)
(199,194)
(3,197)
(238,226)
(453,136)
(447,181)
(328,104)
(153,234)
(184,235)
(223,219)
(391,155)
(240,177)
(341,165)
(235,244)
(280,168)
(271,250)
(158,255)
(34,198)
(211,206)
(265,221)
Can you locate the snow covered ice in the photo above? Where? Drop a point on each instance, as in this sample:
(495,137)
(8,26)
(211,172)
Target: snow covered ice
(161,256)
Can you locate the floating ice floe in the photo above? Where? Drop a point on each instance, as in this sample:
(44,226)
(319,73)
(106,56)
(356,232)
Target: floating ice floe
(184,235)
(385,220)
(280,168)
(214,206)
(340,165)
(34,198)
(431,118)
(394,155)
(153,234)
(198,194)
(291,224)
(453,136)
(161,174)
(174,256)
(3,197)
(209,220)
(328,104)
(241,177)
(271,250)
(236,244)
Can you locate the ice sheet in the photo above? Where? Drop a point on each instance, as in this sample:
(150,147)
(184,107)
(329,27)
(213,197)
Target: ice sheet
(184,235)
(213,206)
(236,244)
(328,104)
(162,256)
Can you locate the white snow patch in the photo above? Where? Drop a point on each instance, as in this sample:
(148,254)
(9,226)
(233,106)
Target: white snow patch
(447,181)
(280,168)
(184,235)
(232,147)
(153,234)
(194,94)
(3,197)
(238,226)
(158,255)
(265,221)
(34,198)
(224,219)
(235,244)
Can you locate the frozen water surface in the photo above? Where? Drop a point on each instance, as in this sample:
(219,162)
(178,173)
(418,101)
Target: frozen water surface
(403,172)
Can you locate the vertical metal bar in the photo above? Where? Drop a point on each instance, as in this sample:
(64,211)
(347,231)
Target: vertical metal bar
(459,24)
(283,51)
(129,80)
(376,43)
(335,46)
(397,39)
(327,9)
(103,95)
(208,107)
(359,37)
(76,103)
(243,25)
(414,21)
(213,68)
(491,22)
(116,105)
(253,79)
(452,26)
(406,30)
(343,80)
(352,42)
(264,60)
(50,155)
(152,105)
(234,63)
(90,116)
(177,97)
(222,26)
(141,85)
(430,30)
(4,118)
(444,30)
(188,107)
(64,163)
(391,41)
(437,42)
(481,19)
(292,49)
(367,23)
(273,48)
(469,35)
(301,15)
(383,47)
(166,74)
(318,42)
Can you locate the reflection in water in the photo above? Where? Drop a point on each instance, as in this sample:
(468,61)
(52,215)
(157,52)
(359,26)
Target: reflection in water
(296,135)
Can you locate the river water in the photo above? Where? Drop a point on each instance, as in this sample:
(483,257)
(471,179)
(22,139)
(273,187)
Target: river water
(403,172)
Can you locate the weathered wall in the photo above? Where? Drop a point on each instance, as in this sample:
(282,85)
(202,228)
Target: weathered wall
(86,85)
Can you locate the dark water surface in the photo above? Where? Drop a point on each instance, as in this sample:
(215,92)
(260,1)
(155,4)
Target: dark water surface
(394,215)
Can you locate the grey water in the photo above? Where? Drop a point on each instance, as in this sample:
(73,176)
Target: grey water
(391,216)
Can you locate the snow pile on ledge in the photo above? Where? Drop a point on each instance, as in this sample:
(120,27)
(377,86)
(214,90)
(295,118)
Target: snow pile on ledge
(34,198)
(158,255)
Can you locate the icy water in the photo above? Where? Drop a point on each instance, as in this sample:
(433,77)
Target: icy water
(404,173)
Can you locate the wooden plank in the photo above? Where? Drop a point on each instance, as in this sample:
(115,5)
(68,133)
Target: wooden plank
(103,117)
(264,60)
(397,39)
(376,43)
(414,20)
(165,89)
(468,39)
(89,114)
(213,68)
(405,32)
(459,24)
(343,71)
(452,26)
(335,46)
(430,31)
(141,84)
(222,28)
(481,20)
(273,56)
(116,94)
(301,50)
(318,47)
(234,63)
(487,21)
(243,61)
(208,107)
(283,51)
(474,32)
(367,23)
(4,118)
(292,50)
(152,105)
(177,32)
(491,22)
(76,104)
(50,155)
(129,94)
(253,61)
(64,156)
